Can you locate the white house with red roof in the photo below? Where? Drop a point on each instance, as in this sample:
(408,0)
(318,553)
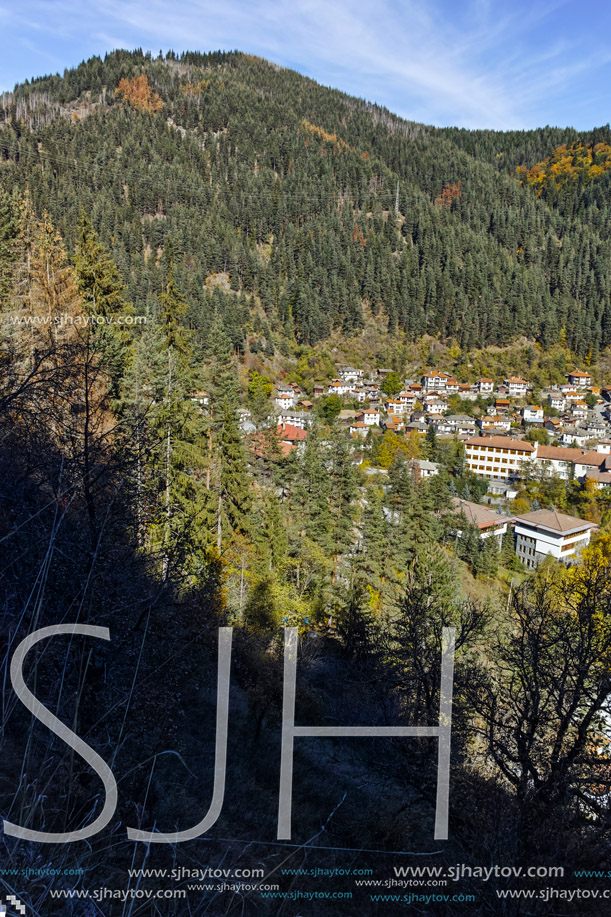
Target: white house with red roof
(516,387)
(285,399)
(532,413)
(579,378)
(435,381)
(369,417)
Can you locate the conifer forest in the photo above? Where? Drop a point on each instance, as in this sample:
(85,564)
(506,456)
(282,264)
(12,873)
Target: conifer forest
(196,252)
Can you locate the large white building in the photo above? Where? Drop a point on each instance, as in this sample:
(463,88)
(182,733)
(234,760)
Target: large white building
(563,462)
(547,533)
(498,457)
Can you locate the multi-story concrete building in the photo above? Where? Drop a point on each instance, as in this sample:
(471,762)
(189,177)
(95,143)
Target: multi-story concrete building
(547,533)
(498,457)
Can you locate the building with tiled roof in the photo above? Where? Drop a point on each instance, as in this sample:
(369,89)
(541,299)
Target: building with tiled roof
(516,386)
(494,423)
(548,533)
(579,378)
(435,381)
(489,523)
(498,457)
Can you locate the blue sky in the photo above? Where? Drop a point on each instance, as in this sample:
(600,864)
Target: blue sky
(475,63)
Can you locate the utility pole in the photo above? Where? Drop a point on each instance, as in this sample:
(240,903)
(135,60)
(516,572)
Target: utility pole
(397,200)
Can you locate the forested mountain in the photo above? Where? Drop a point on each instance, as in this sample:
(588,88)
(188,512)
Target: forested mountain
(278,196)
(243,211)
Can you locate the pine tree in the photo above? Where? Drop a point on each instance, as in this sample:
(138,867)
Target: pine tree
(9,226)
(103,294)
(233,491)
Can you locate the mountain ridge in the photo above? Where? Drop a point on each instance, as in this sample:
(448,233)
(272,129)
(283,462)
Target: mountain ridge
(245,156)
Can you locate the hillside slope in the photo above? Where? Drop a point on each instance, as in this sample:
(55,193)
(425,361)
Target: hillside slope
(278,197)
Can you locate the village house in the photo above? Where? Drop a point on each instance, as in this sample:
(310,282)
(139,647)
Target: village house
(394,406)
(305,405)
(467,392)
(416,426)
(573,436)
(452,386)
(338,387)
(579,379)
(358,428)
(547,533)
(556,401)
(485,386)
(501,491)
(301,419)
(498,456)
(494,424)
(291,437)
(553,425)
(285,400)
(579,410)
(517,387)
(600,479)
(556,460)
(201,398)
(369,417)
(592,461)
(594,429)
(349,374)
(435,408)
(489,523)
(394,423)
(456,424)
(319,390)
(501,406)
(434,381)
(532,414)
(425,468)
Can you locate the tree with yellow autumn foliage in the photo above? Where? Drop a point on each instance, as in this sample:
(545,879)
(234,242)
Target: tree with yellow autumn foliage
(544,707)
(138,93)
